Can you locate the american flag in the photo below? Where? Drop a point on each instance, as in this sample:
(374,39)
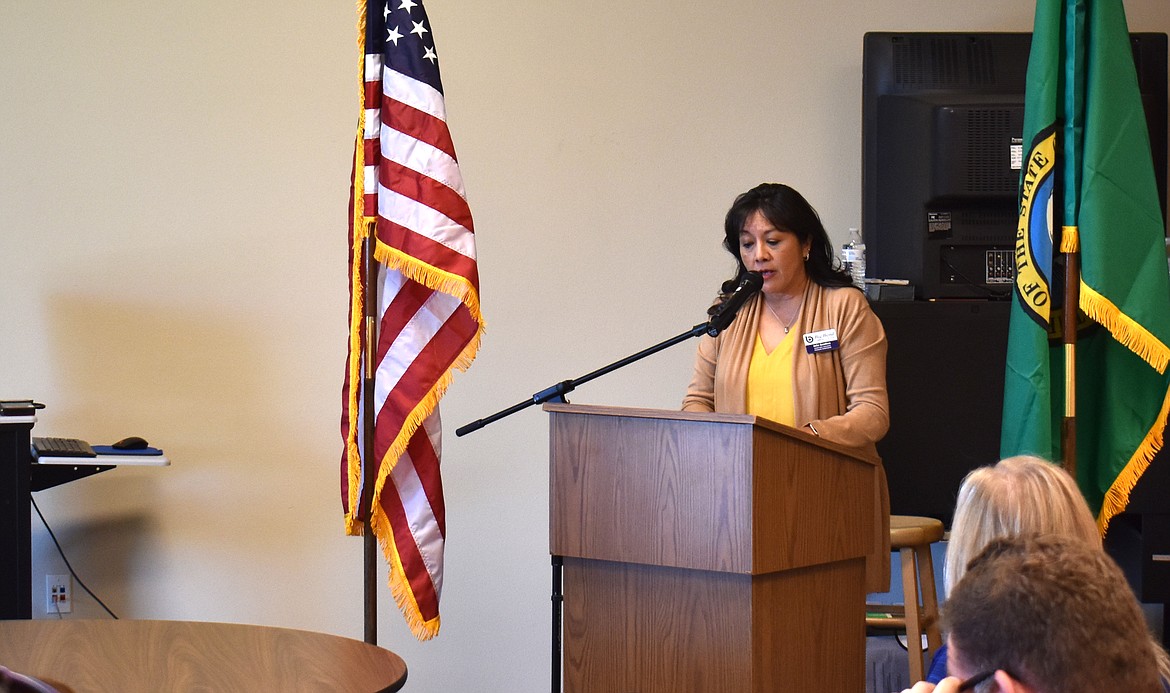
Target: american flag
(407,195)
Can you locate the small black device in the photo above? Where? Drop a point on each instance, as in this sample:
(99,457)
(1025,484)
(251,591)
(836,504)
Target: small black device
(19,407)
(131,443)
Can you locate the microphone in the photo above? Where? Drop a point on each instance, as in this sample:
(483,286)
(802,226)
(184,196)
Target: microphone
(725,312)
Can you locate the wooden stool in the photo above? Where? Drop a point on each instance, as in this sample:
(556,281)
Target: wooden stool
(911,537)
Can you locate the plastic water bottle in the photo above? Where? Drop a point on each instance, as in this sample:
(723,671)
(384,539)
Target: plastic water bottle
(853,258)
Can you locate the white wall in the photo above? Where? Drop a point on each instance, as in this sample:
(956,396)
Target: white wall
(173,188)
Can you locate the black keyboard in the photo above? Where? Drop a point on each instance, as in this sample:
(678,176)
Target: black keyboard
(62,447)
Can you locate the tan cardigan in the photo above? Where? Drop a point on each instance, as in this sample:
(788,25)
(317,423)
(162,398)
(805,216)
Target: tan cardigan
(842,393)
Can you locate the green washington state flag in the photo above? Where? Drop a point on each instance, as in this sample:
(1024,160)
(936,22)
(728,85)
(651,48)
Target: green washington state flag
(1087,185)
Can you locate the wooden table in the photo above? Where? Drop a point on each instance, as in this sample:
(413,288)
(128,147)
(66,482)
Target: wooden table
(92,656)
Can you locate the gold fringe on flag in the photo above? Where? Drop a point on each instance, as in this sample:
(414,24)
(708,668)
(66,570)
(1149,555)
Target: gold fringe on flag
(432,277)
(1124,329)
(399,586)
(1117,497)
(1132,335)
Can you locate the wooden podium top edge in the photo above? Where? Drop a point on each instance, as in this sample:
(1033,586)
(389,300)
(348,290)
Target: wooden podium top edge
(647,413)
(710,417)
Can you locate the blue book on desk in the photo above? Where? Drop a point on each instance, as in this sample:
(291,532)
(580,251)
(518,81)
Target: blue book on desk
(111,450)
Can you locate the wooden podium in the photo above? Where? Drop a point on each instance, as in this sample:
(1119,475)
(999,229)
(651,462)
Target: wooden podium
(707,552)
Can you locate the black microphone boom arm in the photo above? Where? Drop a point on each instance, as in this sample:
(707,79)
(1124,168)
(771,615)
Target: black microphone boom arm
(557,392)
(749,284)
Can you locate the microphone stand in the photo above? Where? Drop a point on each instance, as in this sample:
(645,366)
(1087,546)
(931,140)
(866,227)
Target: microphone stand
(749,283)
(556,393)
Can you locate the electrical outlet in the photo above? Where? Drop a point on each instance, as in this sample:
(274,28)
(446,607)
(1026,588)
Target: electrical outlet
(58,594)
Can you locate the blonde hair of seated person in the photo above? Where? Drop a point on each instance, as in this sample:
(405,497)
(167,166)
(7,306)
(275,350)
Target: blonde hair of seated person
(1016,496)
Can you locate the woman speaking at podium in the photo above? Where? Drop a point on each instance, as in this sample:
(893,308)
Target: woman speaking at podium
(806,351)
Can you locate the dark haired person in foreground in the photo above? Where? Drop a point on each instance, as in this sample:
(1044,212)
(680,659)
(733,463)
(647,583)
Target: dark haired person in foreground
(1045,614)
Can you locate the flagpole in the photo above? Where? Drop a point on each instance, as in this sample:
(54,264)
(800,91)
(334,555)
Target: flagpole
(369,468)
(1068,427)
(1071,150)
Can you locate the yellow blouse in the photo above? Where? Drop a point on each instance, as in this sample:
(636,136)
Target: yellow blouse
(769,381)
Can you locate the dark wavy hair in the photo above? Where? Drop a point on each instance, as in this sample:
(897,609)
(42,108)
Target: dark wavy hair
(788,211)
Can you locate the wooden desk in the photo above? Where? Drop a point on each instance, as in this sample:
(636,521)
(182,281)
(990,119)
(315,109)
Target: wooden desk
(94,656)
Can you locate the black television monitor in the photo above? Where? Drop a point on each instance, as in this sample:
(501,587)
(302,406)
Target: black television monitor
(941,130)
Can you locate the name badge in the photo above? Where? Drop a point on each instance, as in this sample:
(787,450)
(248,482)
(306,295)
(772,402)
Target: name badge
(825,340)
